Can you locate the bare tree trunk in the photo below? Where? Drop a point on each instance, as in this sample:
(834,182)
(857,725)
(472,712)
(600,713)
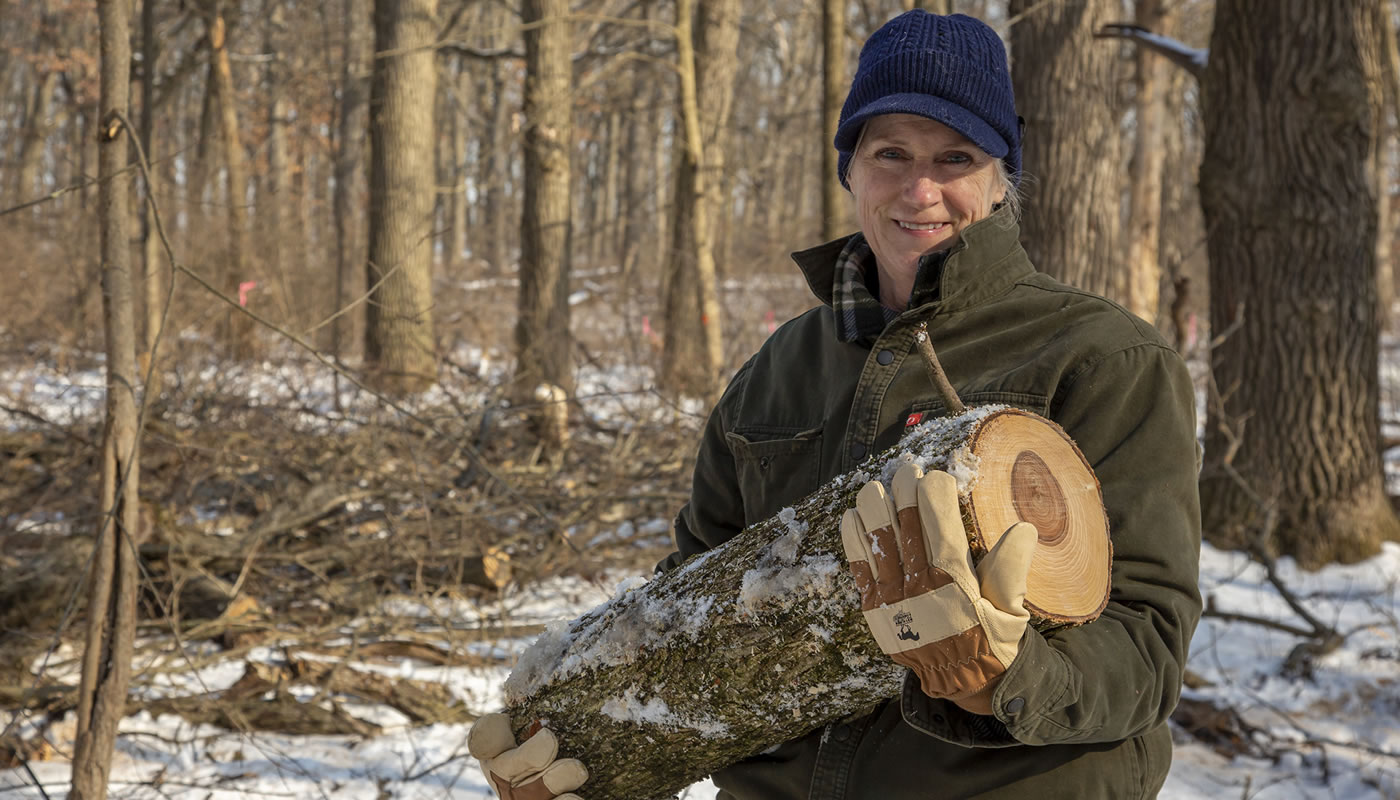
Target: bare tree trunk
(1385,167)
(498,216)
(278,182)
(444,168)
(37,126)
(1293,440)
(834,84)
(1182,250)
(693,352)
(238,334)
(152,282)
(588,201)
(348,201)
(633,202)
(1066,89)
(1145,208)
(458,225)
(613,188)
(543,343)
(203,166)
(399,347)
(111,626)
(663,180)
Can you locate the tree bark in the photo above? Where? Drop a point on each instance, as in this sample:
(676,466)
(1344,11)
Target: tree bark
(543,343)
(459,222)
(663,182)
(111,626)
(693,348)
(348,200)
(277,185)
(37,126)
(152,282)
(238,328)
(1291,112)
(1384,169)
(399,346)
(1066,90)
(761,640)
(1145,199)
(608,222)
(497,214)
(834,85)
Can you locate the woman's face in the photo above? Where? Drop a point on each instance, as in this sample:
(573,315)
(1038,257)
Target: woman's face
(917,185)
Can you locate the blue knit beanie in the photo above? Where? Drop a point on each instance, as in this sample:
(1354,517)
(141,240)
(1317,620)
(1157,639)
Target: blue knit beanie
(950,69)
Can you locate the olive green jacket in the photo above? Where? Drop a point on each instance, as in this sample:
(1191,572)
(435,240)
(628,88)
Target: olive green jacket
(1082,712)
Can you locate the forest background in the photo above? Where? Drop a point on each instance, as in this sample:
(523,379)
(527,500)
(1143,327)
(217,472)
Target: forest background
(313,309)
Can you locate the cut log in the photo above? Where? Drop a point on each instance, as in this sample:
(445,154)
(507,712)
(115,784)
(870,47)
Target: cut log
(761,640)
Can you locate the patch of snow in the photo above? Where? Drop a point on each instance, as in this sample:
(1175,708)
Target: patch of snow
(655,712)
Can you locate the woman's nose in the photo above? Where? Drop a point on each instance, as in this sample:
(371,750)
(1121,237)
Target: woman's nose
(923,190)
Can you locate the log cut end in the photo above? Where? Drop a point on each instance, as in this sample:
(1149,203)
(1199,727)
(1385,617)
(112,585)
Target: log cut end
(1029,470)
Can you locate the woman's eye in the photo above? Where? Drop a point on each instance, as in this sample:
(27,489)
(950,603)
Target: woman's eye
(958,158)
(887,152)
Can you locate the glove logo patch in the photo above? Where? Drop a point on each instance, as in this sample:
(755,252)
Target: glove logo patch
(904,619)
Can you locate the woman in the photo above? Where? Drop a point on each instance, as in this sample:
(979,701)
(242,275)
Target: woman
(930,148)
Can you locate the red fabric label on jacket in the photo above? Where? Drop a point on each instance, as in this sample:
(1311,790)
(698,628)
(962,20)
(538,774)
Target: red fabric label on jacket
(914,419)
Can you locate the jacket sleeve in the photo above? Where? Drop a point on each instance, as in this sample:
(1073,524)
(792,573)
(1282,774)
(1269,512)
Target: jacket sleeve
(715,512)
(1132,413)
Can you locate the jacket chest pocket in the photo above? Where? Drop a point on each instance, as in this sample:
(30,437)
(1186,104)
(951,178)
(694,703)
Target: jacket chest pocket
(773,472)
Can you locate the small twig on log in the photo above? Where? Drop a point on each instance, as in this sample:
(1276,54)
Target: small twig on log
(951,401)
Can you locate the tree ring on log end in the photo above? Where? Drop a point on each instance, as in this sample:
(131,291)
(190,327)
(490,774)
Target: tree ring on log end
(1030,471)
(1037,497)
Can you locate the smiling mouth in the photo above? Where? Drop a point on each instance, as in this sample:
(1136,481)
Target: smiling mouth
(922,226)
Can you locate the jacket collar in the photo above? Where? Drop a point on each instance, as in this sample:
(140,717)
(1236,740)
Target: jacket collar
(987,260)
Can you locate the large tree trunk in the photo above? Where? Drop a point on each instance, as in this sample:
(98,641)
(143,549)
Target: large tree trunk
(238,328)
(349,216)
(1291,105)
(1182,251)
(1066,90)
(1149,155)
(1384,168)
(543,345)
(693,350)
(762,639)
(399,348)
(111,626)
(834,85)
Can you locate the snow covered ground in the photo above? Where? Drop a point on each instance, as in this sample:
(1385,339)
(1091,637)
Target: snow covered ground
(1333,732)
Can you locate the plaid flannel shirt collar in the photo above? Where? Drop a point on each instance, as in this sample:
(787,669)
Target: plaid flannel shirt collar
(859,315)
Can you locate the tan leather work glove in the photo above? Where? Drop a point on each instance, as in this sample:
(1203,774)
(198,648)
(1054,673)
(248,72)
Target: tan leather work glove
(531,771)
(958,628)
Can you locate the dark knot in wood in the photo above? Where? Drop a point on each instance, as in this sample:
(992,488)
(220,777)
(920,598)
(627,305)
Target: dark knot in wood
(1038,498)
